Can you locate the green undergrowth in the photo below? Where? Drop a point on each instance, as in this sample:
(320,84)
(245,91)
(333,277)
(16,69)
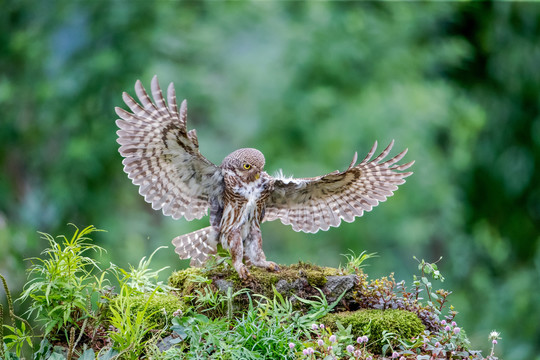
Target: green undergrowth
(159,307)
(304,311)
(300,279)
(402,324)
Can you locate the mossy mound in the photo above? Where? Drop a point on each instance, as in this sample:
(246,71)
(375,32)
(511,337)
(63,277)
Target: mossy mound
(301,280)
(160,306)
(403,323)
(361,302)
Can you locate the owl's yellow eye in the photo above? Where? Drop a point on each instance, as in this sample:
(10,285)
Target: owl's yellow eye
(247,166)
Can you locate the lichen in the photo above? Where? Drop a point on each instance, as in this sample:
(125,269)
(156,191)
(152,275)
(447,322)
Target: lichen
(403,323)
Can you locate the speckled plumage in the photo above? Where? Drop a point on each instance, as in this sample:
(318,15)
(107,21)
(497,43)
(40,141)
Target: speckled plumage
(163,159)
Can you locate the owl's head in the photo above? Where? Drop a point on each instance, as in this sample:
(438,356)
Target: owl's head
(246,163)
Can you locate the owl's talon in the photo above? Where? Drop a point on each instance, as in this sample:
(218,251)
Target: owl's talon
(243,272)
(272,266)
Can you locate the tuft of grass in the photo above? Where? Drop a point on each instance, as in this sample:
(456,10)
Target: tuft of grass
(130,325)
(355,263)
(61,282)
(142,278)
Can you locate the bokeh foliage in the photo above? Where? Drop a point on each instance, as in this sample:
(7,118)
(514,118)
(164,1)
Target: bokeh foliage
(308,84)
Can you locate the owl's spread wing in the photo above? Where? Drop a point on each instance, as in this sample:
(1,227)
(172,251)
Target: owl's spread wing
(311,204)
(162,157)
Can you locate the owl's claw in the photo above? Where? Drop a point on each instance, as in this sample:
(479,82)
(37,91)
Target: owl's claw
(272,266)
(243,272)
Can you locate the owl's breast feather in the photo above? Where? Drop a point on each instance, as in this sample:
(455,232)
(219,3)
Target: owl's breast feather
(245,206)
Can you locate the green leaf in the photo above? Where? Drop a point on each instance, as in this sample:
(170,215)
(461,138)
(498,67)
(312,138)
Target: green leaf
(56,356)
(11,356)
(29,341)
(51,326)
(88,354)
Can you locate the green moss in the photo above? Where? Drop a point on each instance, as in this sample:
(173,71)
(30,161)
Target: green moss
(403,323)
(260,282)
(161,307)
(181,279)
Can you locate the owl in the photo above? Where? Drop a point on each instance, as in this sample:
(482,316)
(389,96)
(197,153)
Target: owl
(162,157)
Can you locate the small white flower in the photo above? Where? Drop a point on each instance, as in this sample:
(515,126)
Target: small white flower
(494,335)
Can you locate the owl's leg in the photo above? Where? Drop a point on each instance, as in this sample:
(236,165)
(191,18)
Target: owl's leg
(254,253)
(236,248)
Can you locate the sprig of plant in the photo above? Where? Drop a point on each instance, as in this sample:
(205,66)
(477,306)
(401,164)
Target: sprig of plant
(494,336)
(387,339)
(278,308)
(427,269)
(355,263)
(128,329)
(142,278)
(18,338)
(60,283)
(222,256)
(216,302)
(320,306)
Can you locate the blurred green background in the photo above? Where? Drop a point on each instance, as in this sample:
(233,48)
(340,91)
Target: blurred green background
(308,84)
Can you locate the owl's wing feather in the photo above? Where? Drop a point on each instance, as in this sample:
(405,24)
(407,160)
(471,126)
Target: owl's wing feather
(162,157)
(312,204)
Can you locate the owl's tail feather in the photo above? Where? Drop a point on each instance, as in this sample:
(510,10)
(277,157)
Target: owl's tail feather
(197,245)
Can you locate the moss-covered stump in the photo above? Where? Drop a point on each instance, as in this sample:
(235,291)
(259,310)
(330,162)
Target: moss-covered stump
(299,280)
(403,323)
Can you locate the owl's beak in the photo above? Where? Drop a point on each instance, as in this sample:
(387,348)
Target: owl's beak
(257,176)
